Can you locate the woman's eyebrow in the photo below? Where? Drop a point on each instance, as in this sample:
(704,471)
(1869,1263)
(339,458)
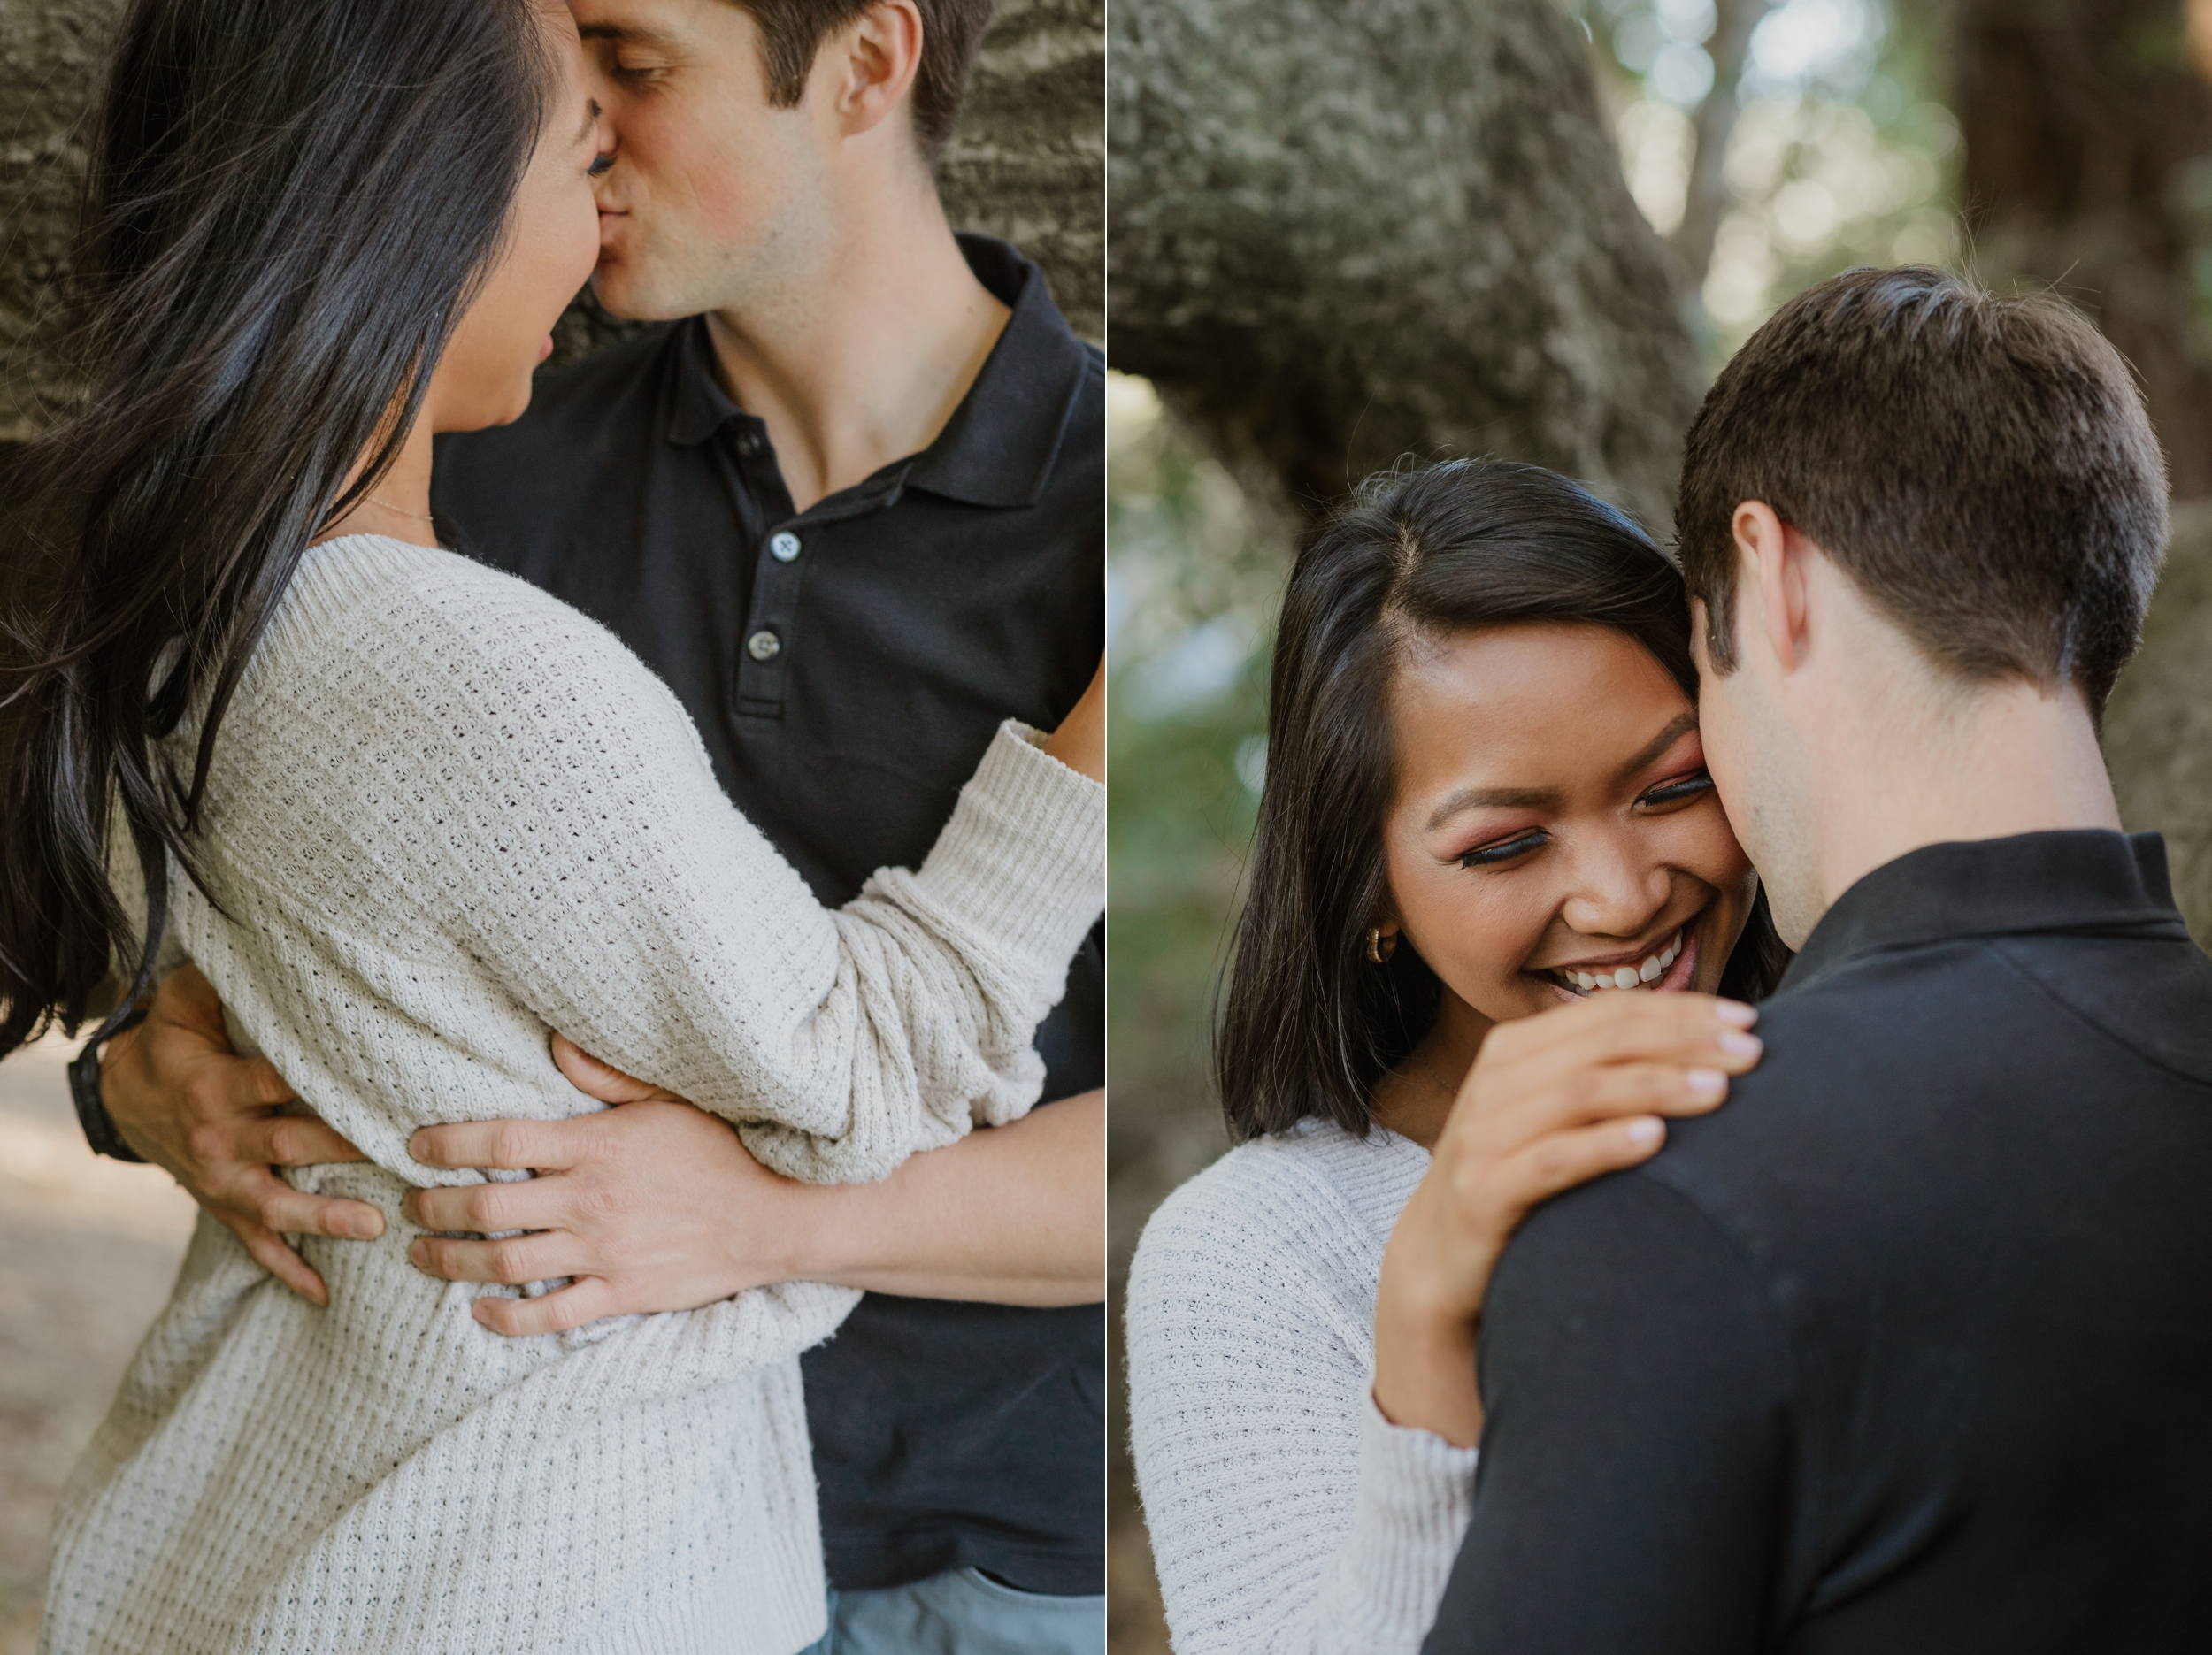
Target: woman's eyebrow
(1493,799)
(1660,743)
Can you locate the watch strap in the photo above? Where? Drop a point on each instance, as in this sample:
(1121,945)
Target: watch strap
(92,1110)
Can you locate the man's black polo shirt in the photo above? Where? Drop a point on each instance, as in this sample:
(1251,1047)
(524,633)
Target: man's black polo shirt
(1908,1348)
(847,666)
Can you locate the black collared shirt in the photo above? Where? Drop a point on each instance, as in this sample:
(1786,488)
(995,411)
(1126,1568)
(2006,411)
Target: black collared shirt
(1910,1346)
(847,666)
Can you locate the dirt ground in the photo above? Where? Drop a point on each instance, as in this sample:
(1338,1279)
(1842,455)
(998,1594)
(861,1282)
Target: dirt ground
(87,1249)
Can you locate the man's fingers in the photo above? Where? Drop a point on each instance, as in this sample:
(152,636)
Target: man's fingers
(603,1080)
(275,1255)
(513,1260)
(532,1204)
(571,1306)
(271,1089)
(512,1146)
(185,996)
(276,1206)
(292,1140)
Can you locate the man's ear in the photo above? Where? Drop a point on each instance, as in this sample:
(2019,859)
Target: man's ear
(1771,580)
(875,61)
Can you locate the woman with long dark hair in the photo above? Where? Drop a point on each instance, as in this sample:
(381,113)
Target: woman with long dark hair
(1496,929)
(408,815)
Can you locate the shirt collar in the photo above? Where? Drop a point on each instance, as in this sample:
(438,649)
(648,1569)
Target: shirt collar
(2084,881)
(999,446)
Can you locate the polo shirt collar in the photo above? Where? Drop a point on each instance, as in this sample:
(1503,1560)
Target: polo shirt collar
(2084,881)
(999,446)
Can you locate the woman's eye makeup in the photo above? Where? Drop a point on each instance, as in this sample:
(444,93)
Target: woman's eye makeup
(1503,851)
(1680,789)
(599,162)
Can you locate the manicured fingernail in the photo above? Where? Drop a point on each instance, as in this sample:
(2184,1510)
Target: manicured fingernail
(1705,1082)
(1734,1011)
(418,1253)
(364,1226)
(1645,1130)
(1738,1044)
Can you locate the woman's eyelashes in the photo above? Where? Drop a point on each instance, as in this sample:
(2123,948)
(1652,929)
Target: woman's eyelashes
(1504,850)
(599,162)
(1678,790)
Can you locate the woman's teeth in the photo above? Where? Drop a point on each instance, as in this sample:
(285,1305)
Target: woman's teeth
(1651,969)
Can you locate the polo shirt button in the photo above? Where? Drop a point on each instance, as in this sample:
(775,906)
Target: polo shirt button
(749,443)
(783,547)
(763,645)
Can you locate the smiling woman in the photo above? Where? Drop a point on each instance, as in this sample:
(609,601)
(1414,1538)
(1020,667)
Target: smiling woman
(1483,736)
(1486,807)
(1528,870)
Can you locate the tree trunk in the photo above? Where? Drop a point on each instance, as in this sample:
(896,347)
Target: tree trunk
(1343,231)
(51,52)
(1027,163)
(1705,201)
(2158,730)
(2089,165)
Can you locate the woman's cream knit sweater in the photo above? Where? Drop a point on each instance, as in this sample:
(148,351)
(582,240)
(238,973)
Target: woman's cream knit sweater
(448,814)
(1288,1517)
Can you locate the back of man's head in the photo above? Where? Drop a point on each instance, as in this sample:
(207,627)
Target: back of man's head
(1980,466)
(792,33)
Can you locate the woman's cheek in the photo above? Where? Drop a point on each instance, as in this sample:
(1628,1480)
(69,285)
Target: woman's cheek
(1482,935)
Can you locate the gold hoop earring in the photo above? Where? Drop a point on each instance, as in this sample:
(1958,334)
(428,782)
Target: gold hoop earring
(1380,948)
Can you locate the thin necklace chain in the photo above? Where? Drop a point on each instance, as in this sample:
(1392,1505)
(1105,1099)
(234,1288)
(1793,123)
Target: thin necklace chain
(1450,1089)
(403,510)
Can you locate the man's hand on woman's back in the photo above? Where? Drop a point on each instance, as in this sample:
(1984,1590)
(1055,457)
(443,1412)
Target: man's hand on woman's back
(189,1103)
(654,1205)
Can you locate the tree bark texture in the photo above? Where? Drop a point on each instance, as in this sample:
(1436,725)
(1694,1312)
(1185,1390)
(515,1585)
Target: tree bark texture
(1027,163)
(2088,137)
(1344,231)
(2158,729)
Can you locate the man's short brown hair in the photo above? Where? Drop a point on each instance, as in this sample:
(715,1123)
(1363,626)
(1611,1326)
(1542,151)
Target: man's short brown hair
(1981,467)
(792,33)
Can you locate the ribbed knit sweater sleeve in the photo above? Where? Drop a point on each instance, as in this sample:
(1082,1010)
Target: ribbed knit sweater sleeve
(466,752)
(1286,1516)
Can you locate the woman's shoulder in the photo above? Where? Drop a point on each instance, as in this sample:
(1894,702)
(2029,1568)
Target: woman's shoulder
(377,613)
(1291,1196)
(383,646)
(397,587)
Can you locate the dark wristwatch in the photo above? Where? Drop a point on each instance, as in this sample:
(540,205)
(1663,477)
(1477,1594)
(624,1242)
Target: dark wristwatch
(84,1088)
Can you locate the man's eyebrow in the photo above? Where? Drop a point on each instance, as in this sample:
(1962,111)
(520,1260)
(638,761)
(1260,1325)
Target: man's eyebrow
(620,33)
(1660,743)
(591,119)
(1493,799)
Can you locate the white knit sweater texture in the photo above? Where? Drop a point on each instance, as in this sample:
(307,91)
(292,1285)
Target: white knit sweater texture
(1287,1516)
(447,814)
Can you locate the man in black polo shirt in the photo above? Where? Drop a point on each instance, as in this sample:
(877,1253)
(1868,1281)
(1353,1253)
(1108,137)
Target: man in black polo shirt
(1907,1348)
(851,509)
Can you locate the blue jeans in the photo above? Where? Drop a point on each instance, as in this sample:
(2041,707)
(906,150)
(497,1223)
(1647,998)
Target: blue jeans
(962,1613)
